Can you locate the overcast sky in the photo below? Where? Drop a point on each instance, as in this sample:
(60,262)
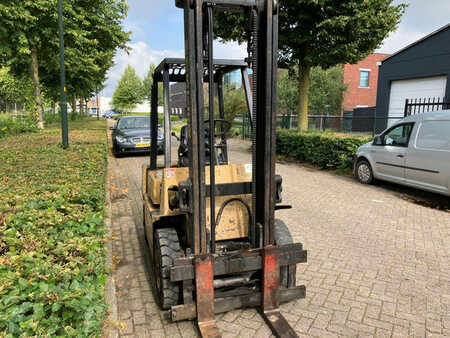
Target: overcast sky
(157,32)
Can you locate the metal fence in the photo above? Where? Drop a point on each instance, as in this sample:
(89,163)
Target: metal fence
(364,125)
(420,106)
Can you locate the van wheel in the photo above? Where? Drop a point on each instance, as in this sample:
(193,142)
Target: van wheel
(364,172)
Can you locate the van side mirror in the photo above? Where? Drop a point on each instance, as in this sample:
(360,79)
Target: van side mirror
(378,141)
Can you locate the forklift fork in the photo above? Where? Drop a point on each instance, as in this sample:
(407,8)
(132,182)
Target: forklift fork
(204,278)
(270,294)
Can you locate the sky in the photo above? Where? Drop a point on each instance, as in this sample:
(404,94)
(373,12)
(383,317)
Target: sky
(157,32)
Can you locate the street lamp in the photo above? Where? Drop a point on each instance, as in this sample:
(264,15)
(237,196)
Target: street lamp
(64,121)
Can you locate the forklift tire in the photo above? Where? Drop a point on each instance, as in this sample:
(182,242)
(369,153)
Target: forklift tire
(283,237)
(166,250)
(144,225)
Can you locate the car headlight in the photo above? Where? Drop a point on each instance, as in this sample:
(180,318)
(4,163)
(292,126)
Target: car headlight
(121,139)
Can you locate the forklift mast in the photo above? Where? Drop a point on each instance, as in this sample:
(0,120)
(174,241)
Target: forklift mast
(263,51)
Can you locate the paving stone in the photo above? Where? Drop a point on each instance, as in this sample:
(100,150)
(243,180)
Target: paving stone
(126,326)
(303,325)
(400,332)
(139,317)
(356,314)
(375,259)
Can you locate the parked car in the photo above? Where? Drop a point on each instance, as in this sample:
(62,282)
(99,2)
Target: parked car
(414,152)
(110,114)
(131,134)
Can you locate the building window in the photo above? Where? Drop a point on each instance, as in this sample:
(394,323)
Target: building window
(364,78)
(233,78)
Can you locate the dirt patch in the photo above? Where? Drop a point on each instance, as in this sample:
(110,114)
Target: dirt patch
(433,203)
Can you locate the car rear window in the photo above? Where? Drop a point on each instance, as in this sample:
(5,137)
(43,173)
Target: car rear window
(434,135)
(134,122)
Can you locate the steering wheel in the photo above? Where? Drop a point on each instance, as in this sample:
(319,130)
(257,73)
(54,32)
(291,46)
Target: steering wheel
(226,126)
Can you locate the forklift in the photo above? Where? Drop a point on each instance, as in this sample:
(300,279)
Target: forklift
(214,243)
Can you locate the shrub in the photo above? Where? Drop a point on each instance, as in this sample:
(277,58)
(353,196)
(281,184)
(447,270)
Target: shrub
(51,118)
(16,125)
(321,149)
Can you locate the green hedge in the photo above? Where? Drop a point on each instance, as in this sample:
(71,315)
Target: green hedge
(321,149)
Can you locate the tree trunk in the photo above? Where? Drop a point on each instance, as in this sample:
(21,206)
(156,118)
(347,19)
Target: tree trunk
(98,108)
(53,108)
(37,87)
(74,105)
(304,72)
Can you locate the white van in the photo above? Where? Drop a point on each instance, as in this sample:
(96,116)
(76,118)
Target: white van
(414,152)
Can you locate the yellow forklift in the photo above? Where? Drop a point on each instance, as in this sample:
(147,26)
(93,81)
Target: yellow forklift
(214,243)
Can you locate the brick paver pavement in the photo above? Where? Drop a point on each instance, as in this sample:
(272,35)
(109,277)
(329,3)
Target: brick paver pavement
(378,265)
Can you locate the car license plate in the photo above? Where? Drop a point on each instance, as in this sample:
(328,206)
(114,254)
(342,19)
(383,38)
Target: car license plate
(143,145)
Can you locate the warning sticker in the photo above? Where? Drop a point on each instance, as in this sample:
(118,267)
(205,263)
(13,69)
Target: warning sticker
(170,173)
(248,168)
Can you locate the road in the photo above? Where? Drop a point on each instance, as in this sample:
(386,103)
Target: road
(378,258)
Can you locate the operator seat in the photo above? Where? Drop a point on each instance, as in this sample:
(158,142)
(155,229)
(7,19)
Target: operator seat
(183,154)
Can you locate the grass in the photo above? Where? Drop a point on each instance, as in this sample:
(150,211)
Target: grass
(52,251)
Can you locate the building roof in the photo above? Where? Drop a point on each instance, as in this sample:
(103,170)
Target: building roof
(418,41)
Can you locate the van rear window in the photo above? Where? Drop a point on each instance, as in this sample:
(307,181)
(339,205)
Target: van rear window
(434,135)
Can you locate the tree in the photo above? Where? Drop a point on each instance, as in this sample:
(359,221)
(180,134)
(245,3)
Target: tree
(147,83)
(321,33)
(287,93)
(129,91)
(235,102)
(327,90)
(326,93)
(29,43)
(15,90)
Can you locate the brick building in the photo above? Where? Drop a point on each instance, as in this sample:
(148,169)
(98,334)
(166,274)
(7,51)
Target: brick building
(362,80)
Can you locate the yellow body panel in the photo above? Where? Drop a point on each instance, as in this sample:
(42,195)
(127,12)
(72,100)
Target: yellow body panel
(234,222)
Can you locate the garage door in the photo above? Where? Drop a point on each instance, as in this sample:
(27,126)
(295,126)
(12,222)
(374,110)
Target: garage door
(428,87)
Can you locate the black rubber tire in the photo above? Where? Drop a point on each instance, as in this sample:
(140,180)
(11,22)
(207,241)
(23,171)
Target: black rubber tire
(144,225)
(116,152)
(364,179)
(166,250)
(282,237)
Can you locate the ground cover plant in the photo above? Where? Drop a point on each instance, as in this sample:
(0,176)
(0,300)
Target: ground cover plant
(326,150)
(52,251)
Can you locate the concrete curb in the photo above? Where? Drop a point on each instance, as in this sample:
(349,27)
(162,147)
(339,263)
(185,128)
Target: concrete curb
(110,290)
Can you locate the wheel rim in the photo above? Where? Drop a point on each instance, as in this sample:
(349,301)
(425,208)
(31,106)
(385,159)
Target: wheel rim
(364,172)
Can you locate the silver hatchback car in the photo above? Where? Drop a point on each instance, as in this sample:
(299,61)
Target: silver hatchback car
(413,152)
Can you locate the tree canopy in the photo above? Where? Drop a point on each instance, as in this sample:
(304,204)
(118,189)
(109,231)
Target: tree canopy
(93,32)
(147,84)
(129,91)
(326,94)
(321,33)
(15,90)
